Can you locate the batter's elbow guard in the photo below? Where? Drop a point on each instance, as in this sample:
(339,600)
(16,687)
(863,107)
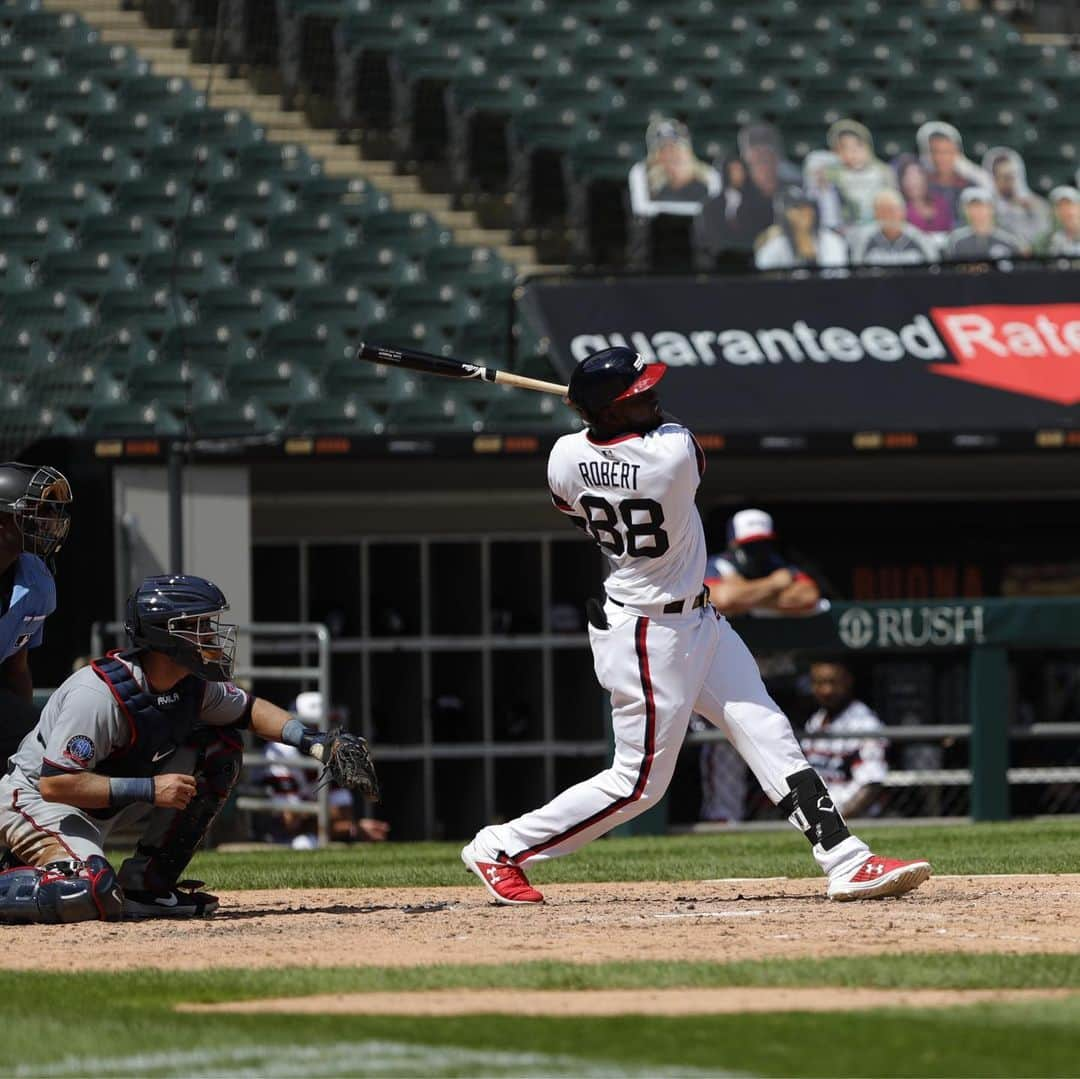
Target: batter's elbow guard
(61,892)
(809,806)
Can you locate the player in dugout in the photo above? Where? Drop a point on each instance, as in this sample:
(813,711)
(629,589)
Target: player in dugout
(156,725)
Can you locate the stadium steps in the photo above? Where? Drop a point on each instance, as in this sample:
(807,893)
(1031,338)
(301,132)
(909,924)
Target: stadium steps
(127,28)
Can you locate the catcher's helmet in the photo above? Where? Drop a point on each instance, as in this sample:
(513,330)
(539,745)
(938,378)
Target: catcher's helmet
(611,375)
(38,498)
(178,615)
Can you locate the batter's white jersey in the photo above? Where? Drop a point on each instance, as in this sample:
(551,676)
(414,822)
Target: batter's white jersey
(634,495)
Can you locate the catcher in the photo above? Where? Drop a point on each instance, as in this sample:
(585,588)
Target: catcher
(158,725)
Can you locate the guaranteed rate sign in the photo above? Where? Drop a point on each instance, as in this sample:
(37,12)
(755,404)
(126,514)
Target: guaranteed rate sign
(933,353)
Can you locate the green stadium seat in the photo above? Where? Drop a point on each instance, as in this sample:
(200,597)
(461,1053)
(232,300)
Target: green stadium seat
(485,343)
(109,63)
(129,235)
(57,31)
(66,201)
(16,274)
(24,349)
(130,419)
(312,342)
(530,61)
(37,133)
(283,271)
(425,334)
(440,416)
(237,418)
(136,132)
(86,273)
(19,166)
(406,230)
(77,98)
(288,163)
(277,383)
(32,237)
(163,198)
(226,235)
(151,310)
(378,268)
(318,233)
(74,387)
(348,307)
(93,163)
(354,199)
(249,310)
(437,302)
(476,269)
(228,129)
(257,199)
(336,416)
(190,163)
(533,412)
(209,347)
(115,350)
(50,311)
(190,271)
(166,97)
(369,382)
(34,420)
(174,382)
(21,62)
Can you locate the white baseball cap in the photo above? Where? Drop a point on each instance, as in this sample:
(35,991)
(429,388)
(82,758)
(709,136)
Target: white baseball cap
(746,526)
(1066,193)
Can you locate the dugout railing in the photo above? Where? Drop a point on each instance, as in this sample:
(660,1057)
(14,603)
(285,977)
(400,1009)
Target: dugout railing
(291,654)
(989,632)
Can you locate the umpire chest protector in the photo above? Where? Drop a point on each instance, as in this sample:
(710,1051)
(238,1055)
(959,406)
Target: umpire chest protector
(158,722)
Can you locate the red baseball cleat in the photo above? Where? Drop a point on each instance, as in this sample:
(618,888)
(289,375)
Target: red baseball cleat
(506,883)
(877,878)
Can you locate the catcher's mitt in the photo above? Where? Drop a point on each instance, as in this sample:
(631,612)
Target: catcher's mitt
(347,762)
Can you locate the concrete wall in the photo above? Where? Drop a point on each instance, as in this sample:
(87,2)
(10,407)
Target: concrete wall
(216,528)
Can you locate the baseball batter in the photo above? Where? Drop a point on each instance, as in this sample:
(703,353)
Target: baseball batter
(661,650)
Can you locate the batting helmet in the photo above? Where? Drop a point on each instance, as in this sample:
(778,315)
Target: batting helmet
(609,376)
(178,615)
(38,498)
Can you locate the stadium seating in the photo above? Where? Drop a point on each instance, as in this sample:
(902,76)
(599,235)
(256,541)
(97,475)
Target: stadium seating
(186,261)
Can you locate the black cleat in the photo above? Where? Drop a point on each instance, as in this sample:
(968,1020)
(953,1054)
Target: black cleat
(182,901)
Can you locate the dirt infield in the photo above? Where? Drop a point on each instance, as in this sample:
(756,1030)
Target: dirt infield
(574,1002)
(695,920)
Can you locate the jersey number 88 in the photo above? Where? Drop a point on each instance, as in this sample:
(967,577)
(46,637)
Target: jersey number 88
(603,523)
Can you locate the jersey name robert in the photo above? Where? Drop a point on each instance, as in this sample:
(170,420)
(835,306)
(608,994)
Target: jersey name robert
(609,474)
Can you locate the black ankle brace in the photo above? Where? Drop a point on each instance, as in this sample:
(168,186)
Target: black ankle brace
(809,806)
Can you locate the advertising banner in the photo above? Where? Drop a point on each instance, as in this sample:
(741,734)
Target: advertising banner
(900,361)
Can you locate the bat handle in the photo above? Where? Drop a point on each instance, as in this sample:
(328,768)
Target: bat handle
(509,379)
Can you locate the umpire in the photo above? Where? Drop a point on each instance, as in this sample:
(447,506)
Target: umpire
(34,523)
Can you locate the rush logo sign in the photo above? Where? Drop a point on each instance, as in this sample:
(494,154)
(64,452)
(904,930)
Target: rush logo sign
(1031,350)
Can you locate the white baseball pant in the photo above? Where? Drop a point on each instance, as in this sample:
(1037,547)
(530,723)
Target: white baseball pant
(660,668)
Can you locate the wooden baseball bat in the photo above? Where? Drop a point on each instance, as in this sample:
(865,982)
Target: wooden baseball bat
(448,367)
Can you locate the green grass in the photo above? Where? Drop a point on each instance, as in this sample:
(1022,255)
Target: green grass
(1015,847)
(124,1023)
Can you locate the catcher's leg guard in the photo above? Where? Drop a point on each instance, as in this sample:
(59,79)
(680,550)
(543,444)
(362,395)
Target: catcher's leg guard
(809,806)
(61,892)
(172,835)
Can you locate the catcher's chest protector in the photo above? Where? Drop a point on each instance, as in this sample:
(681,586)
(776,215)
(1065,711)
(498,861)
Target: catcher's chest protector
(156,731)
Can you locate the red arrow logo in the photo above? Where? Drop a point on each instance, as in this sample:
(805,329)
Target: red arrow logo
(1033,350)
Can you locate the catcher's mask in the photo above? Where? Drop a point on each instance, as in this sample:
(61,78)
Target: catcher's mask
(180,616)
(37,497)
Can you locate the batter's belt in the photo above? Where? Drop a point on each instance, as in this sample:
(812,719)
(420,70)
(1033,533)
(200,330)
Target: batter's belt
(676,606)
